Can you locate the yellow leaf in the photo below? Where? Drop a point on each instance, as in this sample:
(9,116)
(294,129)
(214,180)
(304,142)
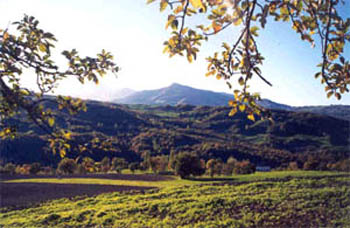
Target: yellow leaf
(6,36)
(67,135)
(238,21)
(163,5)
(329,94)
(217,27)
(218,76)
(172,43)
(24,92)
(197,4)
(184,31)
(242,108)
(171,18)
(254,30)
(210,73)
(42,47)
(166,49)
(189,58)
(178,9)
(251,117)
(232,112)
(51,121)
(62,153)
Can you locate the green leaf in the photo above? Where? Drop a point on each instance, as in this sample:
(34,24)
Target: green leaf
(241,81)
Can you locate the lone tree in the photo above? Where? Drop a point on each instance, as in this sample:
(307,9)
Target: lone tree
(30,49)
(187,164)
(316,21)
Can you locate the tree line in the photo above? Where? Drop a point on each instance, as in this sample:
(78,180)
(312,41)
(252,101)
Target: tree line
(183,164)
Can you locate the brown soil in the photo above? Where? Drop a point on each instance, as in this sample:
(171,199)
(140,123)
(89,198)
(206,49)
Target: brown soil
(20,195)
(133,177)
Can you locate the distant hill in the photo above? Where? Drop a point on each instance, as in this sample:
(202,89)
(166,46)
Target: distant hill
(206,130)
(177,94)
(337,111)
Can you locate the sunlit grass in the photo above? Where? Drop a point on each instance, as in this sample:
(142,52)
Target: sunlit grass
(176,181)
(271,199)
(168,183)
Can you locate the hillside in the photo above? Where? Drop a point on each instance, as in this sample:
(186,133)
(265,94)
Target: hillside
(177,94)
(204,129)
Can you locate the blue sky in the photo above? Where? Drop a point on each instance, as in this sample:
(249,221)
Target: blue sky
(134,32)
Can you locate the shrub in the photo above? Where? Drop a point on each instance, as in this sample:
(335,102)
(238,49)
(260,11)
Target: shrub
(187,164)
(81,169)
(67,166)
(46,170)
(9,168)
(293,166)
(88,164)
(23,170)
(105,164)
(35,168)
(171,163)
(159,163)
(214,167)
(343,165)
(312,163)
(244,167)
(133,166)
(118,164)
(227,168)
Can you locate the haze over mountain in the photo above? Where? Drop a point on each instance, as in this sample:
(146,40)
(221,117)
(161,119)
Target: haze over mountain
(177,94)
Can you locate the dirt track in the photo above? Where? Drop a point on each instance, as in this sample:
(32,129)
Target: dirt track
(19,195)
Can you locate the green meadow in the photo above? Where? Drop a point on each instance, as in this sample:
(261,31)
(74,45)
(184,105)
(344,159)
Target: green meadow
(272,199)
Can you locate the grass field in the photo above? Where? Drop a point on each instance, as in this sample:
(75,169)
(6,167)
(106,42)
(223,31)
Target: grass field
(274,199)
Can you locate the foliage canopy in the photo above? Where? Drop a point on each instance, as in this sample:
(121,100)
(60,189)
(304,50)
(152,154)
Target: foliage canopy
(30,48)
(316,21)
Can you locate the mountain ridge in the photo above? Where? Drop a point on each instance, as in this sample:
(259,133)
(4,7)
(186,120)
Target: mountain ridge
(177,94)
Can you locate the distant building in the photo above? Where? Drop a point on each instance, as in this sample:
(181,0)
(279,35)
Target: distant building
(263,168)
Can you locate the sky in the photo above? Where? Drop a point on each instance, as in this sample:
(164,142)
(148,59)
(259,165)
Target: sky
(134,32)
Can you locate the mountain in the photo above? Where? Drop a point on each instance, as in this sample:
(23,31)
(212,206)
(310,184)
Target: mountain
(177,94)
(266,103)
(121,93)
